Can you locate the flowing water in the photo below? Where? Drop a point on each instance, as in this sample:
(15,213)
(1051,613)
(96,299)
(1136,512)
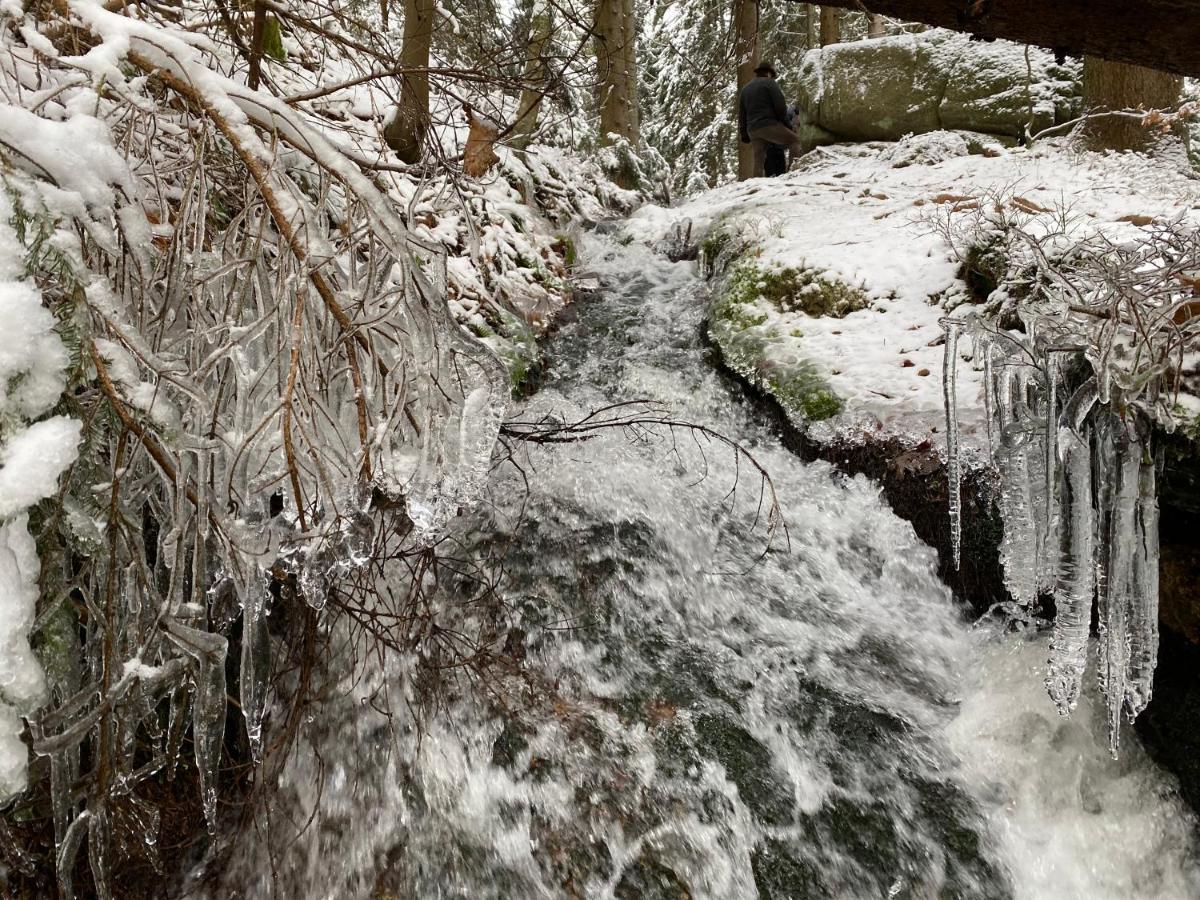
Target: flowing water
(693,717)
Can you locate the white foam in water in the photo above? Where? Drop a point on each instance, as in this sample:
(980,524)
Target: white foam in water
(1071,821)
(821,723)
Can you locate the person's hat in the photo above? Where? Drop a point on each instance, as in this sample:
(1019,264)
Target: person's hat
(765,67)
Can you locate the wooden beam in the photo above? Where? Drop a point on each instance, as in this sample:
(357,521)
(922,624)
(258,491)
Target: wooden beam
(1158,34)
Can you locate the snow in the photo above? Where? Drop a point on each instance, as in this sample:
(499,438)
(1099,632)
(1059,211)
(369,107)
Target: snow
(851,213)
(32,460)
(33,456)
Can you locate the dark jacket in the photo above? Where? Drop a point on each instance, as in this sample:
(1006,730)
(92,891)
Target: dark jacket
(760,104)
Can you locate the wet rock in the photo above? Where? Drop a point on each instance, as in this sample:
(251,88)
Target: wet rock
(1179,600)
(650,879)
(1170,726)
(748,764)
(679,244)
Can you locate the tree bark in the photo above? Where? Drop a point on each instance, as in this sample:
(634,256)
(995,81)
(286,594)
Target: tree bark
(629,50)
(745,23)
(1164,34)
(831,25)
(615,39)
(541,25)
(406,133)
(875,27)
(1116,86)
(479,154)
(257,35)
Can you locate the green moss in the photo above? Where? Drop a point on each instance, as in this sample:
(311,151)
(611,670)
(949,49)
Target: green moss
(715,243)
(480,329)
(806,394)
(810,291)
(737,323)
(519,351)
(566,247)
(788,289)
(273,40)
(984,267)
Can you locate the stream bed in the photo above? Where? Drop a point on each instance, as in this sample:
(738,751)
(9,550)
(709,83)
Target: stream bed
(702,710)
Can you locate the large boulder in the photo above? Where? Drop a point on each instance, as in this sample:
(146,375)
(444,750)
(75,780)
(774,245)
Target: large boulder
(885,88)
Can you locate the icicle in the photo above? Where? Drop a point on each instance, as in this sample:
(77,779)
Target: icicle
(989,401)
(208,729)
(62,777)
(208,708)
(100,851)
(1047,558)
(68,852)
(1120,575)
(1073,598)
(176,719)
(953,463)
(1104,464)
(1017,545)
(256,662)
(1143,594)
(1016,449)
(1077,573)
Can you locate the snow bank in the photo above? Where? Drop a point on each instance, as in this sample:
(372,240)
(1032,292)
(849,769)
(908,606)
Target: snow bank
(852,214)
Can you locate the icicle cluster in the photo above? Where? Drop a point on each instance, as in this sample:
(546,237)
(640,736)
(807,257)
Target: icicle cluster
(1079,507)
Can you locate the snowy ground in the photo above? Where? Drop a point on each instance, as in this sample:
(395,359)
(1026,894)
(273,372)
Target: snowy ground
(869,214)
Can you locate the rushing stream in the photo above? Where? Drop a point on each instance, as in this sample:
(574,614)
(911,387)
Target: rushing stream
(693,721)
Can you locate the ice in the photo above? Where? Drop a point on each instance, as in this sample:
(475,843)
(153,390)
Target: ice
(1079,508)
(208,651)
(953,451)
(68,850)
(255,664)
(1073,619)
(1018,543)
(1143,599)
(100,850)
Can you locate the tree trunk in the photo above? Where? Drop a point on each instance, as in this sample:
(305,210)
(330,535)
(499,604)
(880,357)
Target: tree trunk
(541,25)
(1115,86)
(406,133)
(831,25)
(257,36)
(615,38)
(745,23)
(810,25)
(875,26)
(629,58)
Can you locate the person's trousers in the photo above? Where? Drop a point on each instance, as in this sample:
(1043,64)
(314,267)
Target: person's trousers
(776,133)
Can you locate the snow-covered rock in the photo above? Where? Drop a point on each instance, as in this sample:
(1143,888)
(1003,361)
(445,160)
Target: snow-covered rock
(851,217)
(886,88)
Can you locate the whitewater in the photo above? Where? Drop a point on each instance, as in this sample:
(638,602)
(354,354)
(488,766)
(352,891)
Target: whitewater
(693,706)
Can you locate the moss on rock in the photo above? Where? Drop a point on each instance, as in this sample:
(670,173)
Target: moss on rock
(739,323)
(807,290)
(517,346)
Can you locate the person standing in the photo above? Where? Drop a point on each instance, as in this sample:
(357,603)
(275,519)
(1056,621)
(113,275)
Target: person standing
(763,117)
